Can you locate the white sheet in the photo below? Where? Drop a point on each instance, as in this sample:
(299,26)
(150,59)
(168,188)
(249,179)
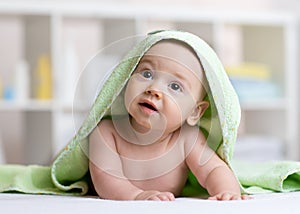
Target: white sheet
(269,203)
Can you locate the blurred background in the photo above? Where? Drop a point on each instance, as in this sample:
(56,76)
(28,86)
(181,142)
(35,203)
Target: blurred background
(45,47)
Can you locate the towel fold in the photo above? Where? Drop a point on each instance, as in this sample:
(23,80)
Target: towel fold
(36,180)
(262,177)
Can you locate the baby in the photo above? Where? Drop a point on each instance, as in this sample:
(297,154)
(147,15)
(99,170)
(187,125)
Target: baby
(148,154)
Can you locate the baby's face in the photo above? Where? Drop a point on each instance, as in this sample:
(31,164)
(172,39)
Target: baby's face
(165,86)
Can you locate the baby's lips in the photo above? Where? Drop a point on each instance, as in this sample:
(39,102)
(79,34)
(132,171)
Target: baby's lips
(148,104)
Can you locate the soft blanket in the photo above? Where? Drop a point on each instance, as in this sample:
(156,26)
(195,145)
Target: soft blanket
(69,172)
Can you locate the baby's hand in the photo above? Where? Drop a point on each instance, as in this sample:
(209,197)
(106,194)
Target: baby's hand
(155,196)
(226,196)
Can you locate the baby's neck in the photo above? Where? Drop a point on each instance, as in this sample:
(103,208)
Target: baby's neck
(135,133)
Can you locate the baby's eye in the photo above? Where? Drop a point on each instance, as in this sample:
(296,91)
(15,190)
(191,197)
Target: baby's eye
(147,74)
(176,87)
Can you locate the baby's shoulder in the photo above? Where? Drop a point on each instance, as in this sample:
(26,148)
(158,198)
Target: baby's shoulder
(105,124)
(190,131)
(104,128)
(192,135)
(104,132)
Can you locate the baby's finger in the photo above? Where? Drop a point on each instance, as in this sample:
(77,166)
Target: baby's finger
(166,196)
(236,197)
(246,197)
(225,197)
(163,197)
(154,198)
(213,198)
(170,196)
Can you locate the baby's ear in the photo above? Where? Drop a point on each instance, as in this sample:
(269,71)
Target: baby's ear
(197,113)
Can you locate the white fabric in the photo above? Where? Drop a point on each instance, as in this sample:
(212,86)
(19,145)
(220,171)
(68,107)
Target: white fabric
(267,203)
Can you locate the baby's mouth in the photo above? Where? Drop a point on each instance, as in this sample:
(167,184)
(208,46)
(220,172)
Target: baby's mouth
(148,106)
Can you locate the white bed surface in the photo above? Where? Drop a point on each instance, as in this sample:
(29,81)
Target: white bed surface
(267,203)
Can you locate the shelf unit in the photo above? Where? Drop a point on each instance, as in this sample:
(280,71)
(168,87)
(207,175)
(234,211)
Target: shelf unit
(90,27)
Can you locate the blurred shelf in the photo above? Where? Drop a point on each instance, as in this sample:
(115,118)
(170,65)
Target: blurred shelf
(266,104)
(127,10)
(73,108)
(40,105)
(30,105)
(259,148)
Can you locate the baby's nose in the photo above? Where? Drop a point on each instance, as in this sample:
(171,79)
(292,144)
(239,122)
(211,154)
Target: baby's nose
(153,92)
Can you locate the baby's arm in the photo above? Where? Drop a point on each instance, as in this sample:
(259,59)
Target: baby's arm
(111,187)
(106,170)
(213,173)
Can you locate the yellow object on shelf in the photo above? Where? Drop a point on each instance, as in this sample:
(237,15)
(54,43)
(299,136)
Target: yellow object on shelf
(44,78)
(249,70)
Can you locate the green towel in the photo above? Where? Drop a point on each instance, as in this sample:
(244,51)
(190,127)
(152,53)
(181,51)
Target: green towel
(263,177)
(69,173)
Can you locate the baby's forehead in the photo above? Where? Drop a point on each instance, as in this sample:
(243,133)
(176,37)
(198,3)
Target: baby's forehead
(178,52)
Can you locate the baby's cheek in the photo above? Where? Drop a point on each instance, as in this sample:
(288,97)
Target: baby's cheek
(186,105)
(131,93)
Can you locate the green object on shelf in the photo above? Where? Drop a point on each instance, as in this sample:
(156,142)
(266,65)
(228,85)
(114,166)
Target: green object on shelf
(69,173)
